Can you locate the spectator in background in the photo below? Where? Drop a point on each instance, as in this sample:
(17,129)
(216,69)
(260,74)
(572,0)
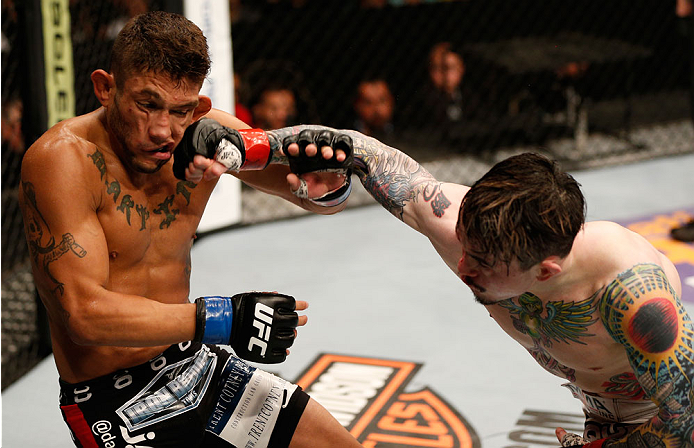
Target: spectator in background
(374,106)
(12,137)
(685,11)
(12,141)
(275,108)
(446,104)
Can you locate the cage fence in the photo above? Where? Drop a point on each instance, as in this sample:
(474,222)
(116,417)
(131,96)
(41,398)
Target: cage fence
(458,85)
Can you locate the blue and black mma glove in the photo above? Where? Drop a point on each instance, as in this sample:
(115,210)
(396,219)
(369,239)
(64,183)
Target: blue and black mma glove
(238,150)
(301,163)
(259,326)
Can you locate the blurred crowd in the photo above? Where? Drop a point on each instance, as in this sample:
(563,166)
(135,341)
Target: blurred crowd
(451,99)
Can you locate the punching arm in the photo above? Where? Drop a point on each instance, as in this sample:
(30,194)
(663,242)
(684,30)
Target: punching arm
(400,184)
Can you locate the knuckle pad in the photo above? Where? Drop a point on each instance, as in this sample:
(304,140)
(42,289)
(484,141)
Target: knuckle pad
(344,142)
(324,139)
(289,140)
(306,137)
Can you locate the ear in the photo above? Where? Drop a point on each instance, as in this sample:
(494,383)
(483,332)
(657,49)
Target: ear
(204,106)
(549,267)
(104,86)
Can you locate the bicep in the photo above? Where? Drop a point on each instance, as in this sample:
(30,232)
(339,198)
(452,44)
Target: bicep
(66,241)
(434,208)
(642,312)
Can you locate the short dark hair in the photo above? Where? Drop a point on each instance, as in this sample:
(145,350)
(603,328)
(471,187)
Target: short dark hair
(163,43)
(524,208)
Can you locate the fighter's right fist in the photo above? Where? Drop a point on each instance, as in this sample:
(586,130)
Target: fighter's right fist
(237,150)
(259,326)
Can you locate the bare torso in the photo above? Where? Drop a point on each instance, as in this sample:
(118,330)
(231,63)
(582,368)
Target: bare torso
(148,224)
(589,358)
(573,342)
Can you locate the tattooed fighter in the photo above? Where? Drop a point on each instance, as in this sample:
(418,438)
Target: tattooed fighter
(110,230)
(591,302)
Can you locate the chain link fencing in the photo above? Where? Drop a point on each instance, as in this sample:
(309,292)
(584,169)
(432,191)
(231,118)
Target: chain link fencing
(458,85)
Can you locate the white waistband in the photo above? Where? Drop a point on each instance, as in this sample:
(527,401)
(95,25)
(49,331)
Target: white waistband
(614,409)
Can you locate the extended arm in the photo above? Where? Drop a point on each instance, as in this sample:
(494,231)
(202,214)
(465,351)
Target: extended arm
(642,312)
(404,188)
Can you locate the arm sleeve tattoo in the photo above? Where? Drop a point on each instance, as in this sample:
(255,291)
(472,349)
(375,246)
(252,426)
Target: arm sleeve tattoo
(392,177)
(642,312)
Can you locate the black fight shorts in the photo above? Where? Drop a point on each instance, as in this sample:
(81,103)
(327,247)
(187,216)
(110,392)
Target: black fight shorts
(191,395)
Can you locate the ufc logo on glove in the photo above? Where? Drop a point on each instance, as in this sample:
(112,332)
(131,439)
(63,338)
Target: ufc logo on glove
(263,313)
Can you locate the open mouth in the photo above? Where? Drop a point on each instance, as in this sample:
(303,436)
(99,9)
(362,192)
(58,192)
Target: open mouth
(162,153)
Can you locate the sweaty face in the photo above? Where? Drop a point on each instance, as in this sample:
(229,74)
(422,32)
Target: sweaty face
(148,117)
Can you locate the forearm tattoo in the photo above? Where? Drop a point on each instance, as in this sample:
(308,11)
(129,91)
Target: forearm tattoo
(390,176)
(641,311)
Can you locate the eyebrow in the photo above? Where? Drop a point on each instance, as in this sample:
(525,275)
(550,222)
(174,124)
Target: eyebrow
(478,259)
(154,94)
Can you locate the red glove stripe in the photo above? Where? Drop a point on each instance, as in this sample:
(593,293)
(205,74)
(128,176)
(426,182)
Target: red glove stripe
(257,149)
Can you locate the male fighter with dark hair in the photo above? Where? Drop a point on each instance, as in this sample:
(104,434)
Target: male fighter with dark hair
(110,230)
(591,302)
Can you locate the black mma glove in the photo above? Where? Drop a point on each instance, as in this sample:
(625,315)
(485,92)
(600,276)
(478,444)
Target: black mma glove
(238,150)
(301,163)
(259,326)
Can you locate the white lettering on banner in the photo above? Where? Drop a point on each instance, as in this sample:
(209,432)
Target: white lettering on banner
(345,389)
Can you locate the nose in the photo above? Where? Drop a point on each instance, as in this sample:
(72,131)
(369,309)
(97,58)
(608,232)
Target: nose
(464,268)
(160,128)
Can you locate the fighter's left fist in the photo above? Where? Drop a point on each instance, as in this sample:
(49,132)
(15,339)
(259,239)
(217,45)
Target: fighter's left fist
(237,150)
(259,326)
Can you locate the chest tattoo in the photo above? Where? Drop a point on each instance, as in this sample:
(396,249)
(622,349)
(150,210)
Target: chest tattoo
(556,321)
(127,203)
(169,213)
